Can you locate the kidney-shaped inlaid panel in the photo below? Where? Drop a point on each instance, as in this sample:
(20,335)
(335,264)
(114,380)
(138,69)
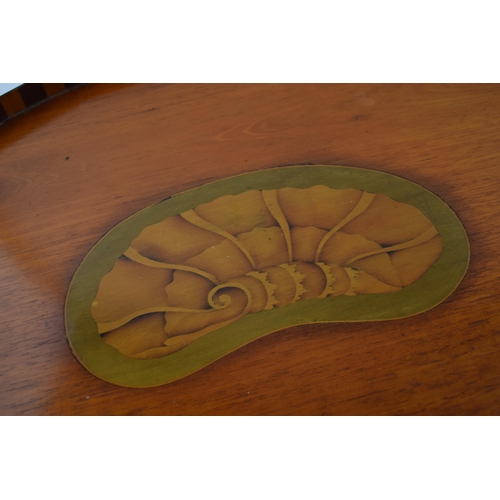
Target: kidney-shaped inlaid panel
(196,276)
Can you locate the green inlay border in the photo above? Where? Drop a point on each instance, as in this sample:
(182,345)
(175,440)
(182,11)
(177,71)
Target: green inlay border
(432,288)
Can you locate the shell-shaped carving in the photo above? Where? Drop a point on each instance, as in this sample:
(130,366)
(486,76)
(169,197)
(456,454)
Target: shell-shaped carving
(214,260)
(241,254)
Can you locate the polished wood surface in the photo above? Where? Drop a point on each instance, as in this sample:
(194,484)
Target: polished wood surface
(74,167)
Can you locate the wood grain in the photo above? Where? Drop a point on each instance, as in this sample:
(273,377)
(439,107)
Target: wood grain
(74,167)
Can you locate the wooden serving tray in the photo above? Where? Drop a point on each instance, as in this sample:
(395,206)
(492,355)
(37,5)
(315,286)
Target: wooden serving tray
(76,169)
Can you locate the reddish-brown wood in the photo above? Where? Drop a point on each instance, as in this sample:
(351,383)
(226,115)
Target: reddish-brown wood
(75,166)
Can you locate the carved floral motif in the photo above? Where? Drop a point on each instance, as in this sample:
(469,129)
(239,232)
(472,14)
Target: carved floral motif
(240,254)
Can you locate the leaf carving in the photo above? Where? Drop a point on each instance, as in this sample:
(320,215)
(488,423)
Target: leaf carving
(241,254)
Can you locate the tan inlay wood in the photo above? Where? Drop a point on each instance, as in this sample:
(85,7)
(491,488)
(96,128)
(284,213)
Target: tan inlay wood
(270,252)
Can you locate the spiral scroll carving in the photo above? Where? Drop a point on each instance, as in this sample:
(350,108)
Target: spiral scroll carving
(241,254)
